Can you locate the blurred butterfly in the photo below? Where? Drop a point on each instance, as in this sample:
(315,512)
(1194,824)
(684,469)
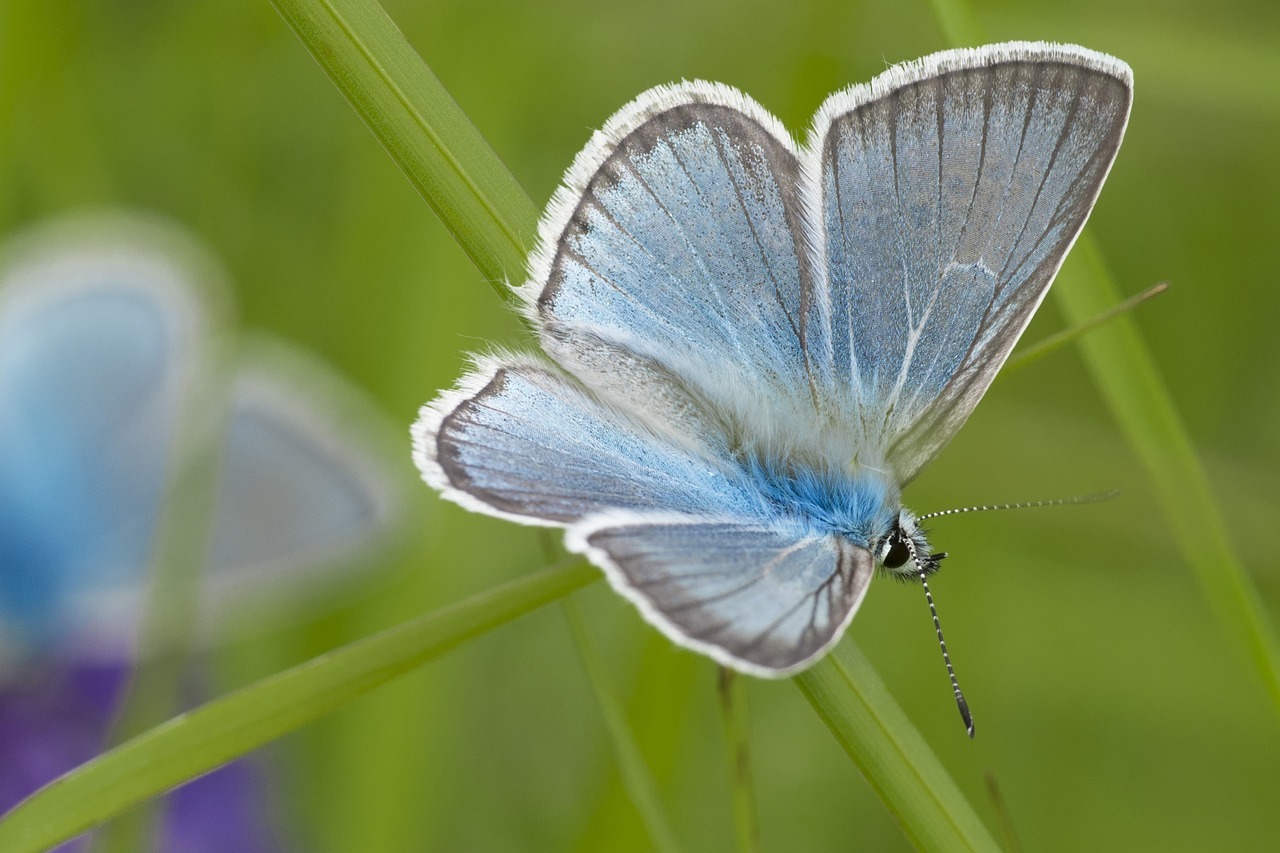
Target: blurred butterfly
(759,344)
(106,343)
(109,349)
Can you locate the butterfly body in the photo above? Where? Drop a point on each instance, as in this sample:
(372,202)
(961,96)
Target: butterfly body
(757,344)
(856,506)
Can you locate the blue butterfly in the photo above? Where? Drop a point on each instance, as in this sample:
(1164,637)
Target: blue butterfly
(106,339)
(108,353)
(758,344)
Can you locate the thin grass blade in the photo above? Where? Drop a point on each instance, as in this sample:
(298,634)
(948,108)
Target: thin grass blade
(636,777)
(856,706)
(210,736)
(737,729)
(1127,377)
(423,129)
(167,631)
(959,27)
(1038,350)
(1007,827)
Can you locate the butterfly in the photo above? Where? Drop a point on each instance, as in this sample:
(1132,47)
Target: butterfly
(107,344)
(754,345)
(109,356)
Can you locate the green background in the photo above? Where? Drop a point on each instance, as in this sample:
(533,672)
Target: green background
(1110,709)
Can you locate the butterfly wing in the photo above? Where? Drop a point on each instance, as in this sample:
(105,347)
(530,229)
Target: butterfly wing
(683,276)
(951,190)
(763,596)
(679,533)
(94,347)
(519,440)
(303,492)
(675,258)
(104,332)
(303,500)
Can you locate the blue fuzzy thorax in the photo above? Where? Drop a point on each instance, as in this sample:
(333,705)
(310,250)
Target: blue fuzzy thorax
(859,506)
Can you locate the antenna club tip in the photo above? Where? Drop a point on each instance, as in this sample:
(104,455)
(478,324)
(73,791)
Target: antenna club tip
(964,713)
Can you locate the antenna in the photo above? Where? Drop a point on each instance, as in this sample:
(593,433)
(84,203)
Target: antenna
(1076,501)
(937,627)
(933,559)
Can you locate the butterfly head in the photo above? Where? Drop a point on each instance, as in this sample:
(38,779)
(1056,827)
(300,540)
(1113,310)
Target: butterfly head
(904,550)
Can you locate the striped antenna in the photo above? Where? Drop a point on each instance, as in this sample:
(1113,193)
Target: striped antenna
(937,627)
(1082,499)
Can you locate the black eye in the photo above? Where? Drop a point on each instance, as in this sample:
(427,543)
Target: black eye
(898,553)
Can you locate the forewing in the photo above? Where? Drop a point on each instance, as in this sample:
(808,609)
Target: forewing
(678,241)
(950,190)
(521,441)
(95,345)
(764,597)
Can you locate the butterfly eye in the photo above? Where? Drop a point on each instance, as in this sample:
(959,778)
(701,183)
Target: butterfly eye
(896,552)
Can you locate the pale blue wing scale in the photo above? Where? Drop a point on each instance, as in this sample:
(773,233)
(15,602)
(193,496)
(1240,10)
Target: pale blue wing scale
(92,352)
(519,440)
(950,191)
(679,238)
(760,595)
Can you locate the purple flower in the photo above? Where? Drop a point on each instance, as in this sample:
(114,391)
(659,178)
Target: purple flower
(54,717)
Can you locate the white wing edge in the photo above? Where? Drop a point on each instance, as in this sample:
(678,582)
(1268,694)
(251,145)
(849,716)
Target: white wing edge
(959,59)
(425,431)
(64,258)
(601,146)
(577,541)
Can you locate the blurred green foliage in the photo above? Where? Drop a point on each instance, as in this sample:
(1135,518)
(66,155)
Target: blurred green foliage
(1111,710)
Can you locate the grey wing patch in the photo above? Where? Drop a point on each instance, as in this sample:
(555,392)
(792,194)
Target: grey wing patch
(950,194)
(308,499)
(752,594)
(679,237)
(304,493)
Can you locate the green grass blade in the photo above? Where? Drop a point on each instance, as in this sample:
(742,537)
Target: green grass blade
(639,782)
(856,706)
(422,127)
(1031,354)
(1125,374)
(737,729)
(1007,827)
(210,736)
(170,613)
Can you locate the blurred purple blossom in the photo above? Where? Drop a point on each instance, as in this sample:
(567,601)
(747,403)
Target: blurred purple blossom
(54,717)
